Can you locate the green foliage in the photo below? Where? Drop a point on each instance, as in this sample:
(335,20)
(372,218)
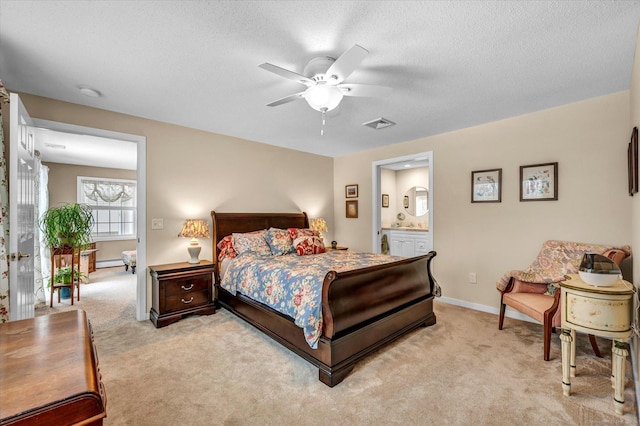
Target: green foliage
(67,225)
(63,275)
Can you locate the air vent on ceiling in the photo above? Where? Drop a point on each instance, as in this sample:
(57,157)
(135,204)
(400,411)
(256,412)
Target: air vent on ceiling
(379,123)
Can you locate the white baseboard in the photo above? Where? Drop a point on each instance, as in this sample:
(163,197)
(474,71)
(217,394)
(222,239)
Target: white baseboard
(509,313)
(109,263)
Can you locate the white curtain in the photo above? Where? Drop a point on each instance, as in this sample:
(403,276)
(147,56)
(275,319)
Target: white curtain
(108,191)
(42,257)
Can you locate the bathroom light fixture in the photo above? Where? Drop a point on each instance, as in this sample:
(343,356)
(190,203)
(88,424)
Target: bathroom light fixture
(194,228)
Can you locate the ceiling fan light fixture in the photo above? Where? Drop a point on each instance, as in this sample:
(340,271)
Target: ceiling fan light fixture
(90,92)
(323,97)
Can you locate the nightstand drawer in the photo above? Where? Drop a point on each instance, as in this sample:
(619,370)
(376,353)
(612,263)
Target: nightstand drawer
(183,286)
(187,300)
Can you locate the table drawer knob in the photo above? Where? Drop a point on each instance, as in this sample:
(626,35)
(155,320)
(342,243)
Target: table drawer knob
(187,288)
(187,301)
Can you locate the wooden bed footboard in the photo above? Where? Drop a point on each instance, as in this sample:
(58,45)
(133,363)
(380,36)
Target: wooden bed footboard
(363,310)
(353,298)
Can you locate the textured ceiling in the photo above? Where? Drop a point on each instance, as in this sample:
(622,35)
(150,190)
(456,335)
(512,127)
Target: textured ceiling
(451,64)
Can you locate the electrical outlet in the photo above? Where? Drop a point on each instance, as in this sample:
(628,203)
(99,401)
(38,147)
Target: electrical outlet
(157,224)
(472,277)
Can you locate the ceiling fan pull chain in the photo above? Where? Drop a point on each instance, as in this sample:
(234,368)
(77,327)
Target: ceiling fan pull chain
(324,111)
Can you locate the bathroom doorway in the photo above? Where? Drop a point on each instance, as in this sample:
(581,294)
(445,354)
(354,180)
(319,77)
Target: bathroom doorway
(402,191)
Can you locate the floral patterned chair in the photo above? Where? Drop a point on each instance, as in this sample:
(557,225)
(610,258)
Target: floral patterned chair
(533,290)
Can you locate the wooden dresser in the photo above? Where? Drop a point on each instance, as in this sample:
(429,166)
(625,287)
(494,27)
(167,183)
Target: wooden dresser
(49,372)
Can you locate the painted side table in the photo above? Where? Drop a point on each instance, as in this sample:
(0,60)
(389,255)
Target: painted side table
(601,311)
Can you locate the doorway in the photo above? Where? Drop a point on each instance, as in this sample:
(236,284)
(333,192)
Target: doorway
(408,162)
(140,173)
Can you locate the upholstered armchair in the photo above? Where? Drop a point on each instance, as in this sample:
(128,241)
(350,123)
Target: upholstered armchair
(534,291)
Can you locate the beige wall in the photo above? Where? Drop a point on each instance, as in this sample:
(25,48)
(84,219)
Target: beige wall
(63,189)
(635,201)
(589,141)
(191,172)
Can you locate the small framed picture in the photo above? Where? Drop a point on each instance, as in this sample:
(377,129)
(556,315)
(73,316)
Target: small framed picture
(486,186)
(351,191)
(385,200)
(352,209)
(539,182)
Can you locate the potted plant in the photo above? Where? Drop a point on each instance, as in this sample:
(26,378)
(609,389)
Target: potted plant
(67,225)
(63,276)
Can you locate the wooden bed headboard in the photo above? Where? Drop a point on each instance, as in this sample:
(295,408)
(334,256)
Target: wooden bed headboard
(227,223)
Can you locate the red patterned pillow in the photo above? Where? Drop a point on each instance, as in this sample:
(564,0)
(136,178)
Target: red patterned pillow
(307,245)
(302,232)
(225,247)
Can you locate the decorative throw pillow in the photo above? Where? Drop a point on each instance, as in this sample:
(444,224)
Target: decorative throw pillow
(307,245)
(253,242)
(225,247)
(279,241)
(302,232)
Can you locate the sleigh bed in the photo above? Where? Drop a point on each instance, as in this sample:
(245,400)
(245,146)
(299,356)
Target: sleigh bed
(362,309)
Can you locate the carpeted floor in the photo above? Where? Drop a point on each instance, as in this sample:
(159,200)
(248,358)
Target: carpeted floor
(210,370)
(109,299)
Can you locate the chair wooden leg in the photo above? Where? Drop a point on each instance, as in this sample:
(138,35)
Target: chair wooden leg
(594,345)
(547,340)
(501,320)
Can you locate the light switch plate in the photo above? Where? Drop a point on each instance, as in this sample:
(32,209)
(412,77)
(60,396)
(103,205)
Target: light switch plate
(157,224)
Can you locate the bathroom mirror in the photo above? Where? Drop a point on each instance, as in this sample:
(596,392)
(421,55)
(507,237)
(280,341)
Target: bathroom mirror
(416,201)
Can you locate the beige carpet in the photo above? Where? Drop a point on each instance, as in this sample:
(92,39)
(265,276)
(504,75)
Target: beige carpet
(109,299)
(210,370)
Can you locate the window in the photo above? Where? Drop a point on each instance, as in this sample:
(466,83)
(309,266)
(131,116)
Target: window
(114,206)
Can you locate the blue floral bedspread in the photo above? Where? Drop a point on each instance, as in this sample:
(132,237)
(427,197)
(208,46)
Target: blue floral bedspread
(292,284)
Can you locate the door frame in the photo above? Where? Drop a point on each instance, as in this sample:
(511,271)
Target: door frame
(141,198)
(377,194)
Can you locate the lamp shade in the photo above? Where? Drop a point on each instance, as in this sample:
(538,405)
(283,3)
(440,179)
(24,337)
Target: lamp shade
(194,228)
(318,224)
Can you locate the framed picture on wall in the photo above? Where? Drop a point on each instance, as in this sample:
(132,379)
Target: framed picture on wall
(539,182)
(352,209)
(486,186)
(351,191)
(385,200)
(632,162)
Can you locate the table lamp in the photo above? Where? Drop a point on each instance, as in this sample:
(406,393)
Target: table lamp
(194,228)
(320,225)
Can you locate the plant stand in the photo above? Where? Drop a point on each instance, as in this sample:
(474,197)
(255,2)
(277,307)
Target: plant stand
(75,270)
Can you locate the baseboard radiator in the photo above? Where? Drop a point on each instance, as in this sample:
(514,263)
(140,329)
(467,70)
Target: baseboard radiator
(109,263)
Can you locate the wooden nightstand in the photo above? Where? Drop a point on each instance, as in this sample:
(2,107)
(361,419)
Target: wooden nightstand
(337,248)
(181,289)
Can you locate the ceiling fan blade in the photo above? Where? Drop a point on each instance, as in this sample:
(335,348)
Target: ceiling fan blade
(345,64)
(287,99)
(290,75)
(364,90)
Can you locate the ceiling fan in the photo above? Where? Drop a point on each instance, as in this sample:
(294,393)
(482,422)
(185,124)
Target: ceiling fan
(324,78)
